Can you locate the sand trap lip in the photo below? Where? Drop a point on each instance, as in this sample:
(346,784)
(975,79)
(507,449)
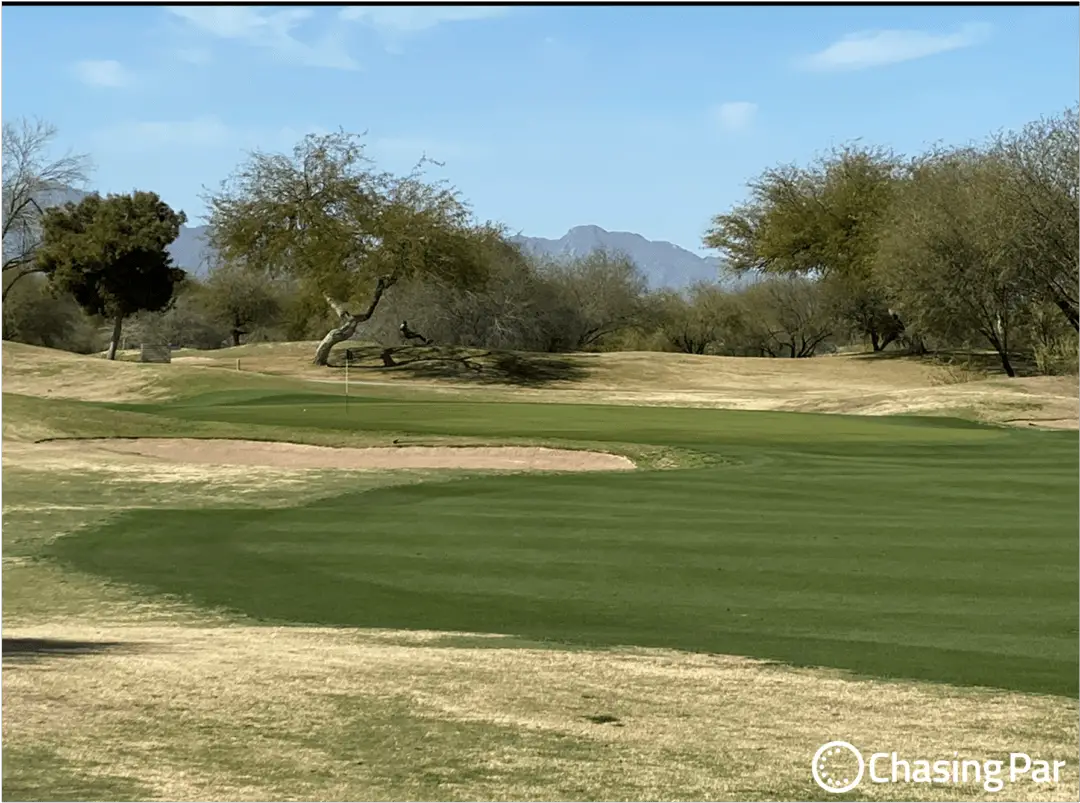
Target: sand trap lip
(276,454)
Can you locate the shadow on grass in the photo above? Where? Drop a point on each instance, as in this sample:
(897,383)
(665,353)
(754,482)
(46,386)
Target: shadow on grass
(975,362)
(32,649)
(462,365)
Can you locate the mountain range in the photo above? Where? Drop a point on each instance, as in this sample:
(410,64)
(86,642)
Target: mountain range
(664,264)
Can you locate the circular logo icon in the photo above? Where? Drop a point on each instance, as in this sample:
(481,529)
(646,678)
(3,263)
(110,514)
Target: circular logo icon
(838,767)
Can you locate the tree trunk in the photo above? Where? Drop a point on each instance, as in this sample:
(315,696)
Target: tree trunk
(349,322)
(1000,344)
(1070,313)
(337,335)
(236,337)
(875,341)
(115,342)
(1009,372)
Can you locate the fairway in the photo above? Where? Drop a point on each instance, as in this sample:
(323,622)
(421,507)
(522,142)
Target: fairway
(930,549)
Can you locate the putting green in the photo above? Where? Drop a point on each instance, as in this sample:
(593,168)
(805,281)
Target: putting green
(921,548)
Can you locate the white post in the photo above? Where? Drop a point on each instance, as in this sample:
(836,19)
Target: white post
(237,363)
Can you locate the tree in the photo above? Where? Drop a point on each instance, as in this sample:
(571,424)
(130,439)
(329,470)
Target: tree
(604,292)
(110,254)
(822,221)
(33,180)
(345,232)
(515,308)
(951,251)
(694,322)
(38,317)
(785,316)
(1040,184)
(240,300)
(185,323)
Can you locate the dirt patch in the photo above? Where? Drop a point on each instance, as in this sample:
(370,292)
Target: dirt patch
(220,452)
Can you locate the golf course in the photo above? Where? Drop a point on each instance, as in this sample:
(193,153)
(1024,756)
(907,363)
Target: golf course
(224,578)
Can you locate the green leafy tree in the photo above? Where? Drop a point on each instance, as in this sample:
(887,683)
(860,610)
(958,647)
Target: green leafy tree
(951,254)
(241,300)
(35,315)
(695,322)
(822,222)
(110,254)
(344,231)
(1040,184)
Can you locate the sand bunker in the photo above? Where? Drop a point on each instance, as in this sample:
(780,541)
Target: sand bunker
(294,455)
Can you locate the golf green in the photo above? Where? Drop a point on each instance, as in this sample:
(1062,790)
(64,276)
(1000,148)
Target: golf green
(895,547)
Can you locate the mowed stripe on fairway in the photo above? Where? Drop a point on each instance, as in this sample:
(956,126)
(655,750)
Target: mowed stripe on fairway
(894,547)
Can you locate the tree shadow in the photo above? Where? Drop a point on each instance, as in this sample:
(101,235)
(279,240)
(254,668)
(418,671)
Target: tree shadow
(33,649)
(980,362)
(481,367)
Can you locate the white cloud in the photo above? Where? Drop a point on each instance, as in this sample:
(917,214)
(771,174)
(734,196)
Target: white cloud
(404,19)
(735,115)
(105,72)
(865,49)
(273,30)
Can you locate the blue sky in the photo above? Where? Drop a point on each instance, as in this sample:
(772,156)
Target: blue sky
(646,119)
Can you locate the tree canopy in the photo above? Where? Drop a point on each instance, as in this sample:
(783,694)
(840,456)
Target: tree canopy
(110,254)
(821,221)
(348,232)
(1040,185)
(951,252)
(240,300)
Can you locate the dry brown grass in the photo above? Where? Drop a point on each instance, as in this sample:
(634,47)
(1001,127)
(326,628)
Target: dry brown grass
(34,371)
(851,383)
(54,374)
(243,713)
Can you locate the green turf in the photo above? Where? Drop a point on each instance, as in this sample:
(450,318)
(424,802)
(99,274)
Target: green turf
(921,548)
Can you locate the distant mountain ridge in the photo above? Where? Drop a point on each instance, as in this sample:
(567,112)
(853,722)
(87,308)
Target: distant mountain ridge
(664,264)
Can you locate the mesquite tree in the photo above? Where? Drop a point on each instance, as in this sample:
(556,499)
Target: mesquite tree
(821,221)
(952,252)
(344,230)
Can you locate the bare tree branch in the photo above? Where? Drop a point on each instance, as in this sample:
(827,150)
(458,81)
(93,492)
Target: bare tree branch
(32,179)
